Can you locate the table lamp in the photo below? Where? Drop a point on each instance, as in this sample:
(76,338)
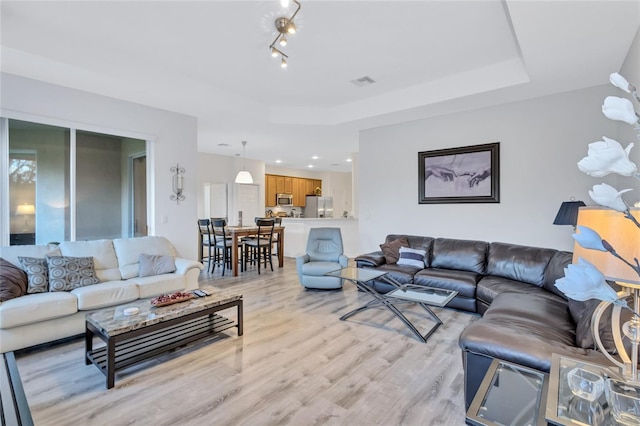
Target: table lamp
(622,234)
(26,210)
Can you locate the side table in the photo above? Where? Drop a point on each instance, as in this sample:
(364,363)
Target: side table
(509,394)
(563,407)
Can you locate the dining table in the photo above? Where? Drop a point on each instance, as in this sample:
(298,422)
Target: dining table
(237,232)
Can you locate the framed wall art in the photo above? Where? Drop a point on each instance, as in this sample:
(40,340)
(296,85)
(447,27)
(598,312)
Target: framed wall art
(469,174)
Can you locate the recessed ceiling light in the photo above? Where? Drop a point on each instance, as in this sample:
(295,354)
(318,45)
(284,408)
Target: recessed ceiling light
(310,166)
(278,161)
(335,164)
(315,157)
(363,81)
(349,160)
(223,144)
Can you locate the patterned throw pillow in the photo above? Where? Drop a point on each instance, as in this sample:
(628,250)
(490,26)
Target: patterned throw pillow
(67,273)
(36,270)
(412,257)
(151,264)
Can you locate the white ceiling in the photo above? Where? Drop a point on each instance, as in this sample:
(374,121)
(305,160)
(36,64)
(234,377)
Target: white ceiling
(210,59)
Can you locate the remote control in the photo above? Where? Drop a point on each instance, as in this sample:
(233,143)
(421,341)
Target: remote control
(204,292)
(197,293)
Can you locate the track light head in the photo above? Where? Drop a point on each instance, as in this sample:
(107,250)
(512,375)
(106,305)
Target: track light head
(283,63)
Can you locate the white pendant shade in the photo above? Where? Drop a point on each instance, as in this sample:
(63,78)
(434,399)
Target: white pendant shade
(244,177)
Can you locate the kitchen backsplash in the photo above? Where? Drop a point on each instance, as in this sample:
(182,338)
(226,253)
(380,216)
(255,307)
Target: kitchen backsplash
(284,211)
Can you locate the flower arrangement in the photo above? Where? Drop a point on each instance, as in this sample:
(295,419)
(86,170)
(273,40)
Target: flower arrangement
(583,280)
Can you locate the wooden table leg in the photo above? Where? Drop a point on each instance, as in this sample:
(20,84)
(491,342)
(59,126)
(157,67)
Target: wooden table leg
(234,256)
(281,248)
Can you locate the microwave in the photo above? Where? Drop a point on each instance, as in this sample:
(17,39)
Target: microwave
(284,200)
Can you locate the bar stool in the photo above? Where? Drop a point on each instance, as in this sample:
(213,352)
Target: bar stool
(223,246)
(206,240)
(261,245)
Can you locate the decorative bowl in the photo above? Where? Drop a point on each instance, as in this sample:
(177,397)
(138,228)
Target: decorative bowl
(624,401)
(585,384)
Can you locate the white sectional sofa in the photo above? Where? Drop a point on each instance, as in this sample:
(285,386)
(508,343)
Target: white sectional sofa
(44,317)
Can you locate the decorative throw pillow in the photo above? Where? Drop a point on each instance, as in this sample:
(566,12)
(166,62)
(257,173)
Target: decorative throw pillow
(412,257)
(155,264)
(67,273)
(37,271)
(13,281)
(391,250)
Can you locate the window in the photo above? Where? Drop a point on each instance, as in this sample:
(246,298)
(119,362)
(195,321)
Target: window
(67,184)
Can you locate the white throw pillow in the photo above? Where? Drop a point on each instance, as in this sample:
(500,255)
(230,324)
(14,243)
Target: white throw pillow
(412,257)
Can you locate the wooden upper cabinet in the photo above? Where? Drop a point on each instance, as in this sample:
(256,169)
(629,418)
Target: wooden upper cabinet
(270,191)
(298,187)
(308,187)
(288,185)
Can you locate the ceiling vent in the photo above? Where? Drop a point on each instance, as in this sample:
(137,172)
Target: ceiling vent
(363,81)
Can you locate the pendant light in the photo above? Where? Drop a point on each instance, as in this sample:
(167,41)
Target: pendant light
(244,176)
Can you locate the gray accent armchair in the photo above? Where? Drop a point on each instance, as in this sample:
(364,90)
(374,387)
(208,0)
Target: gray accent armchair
(324,254)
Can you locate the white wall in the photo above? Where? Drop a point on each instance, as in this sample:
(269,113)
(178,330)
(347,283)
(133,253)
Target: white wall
(174,141)
(541,142)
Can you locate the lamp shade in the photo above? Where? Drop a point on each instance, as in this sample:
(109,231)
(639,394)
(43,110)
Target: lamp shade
(568,213)
(25,209)
(244,177)
(621,233)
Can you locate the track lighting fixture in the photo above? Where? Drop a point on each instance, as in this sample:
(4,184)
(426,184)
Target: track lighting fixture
(284,26)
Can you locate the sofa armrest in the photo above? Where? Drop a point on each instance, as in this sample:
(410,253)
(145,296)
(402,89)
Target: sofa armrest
(184,265)
(374,259)
(343,260)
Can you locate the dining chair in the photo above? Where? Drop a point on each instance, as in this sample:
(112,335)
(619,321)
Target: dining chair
(258,249)
(223,246)
(206,240)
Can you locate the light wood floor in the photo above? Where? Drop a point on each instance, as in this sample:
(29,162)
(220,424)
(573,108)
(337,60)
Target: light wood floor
(296,364)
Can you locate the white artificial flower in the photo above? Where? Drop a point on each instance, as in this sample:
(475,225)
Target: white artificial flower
(608,196)
(619,109)
(582,281)
(619,81)
(607,156)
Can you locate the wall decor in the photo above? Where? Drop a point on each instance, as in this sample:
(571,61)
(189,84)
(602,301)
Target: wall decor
(469,174)
(177,183)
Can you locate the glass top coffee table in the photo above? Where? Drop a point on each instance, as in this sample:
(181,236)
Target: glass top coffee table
(402,294)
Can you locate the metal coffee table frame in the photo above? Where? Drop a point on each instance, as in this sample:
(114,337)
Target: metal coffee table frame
(128,348)
(402,294)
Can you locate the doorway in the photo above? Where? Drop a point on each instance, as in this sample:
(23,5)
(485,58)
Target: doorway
(139,190)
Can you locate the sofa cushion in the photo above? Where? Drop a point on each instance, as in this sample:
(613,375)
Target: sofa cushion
(67,273)
(412,257)
(105,261)
(319,268)
(37,274)
(106,294)
(158,284)
(555,270)
(461,255)
(490,287)
(128,252)
(524,330)
(13,281)
(36,307)
(520,263)
(403,274)
(391,250)
(151,264)
(464,282)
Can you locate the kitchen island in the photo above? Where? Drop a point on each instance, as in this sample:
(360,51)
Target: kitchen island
(297,231)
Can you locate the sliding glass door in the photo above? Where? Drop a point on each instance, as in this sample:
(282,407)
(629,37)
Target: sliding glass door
(68,184)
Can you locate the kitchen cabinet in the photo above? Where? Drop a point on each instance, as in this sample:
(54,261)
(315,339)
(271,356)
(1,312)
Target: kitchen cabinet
(280,185)
(298,187)
(270,191)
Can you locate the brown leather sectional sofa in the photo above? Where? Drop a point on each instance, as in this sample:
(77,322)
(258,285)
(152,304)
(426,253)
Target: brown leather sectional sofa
(524,317)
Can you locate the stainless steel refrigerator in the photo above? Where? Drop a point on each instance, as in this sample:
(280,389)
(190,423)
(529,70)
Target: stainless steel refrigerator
(318,207)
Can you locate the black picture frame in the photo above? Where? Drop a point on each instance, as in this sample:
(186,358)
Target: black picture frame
(468,174)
